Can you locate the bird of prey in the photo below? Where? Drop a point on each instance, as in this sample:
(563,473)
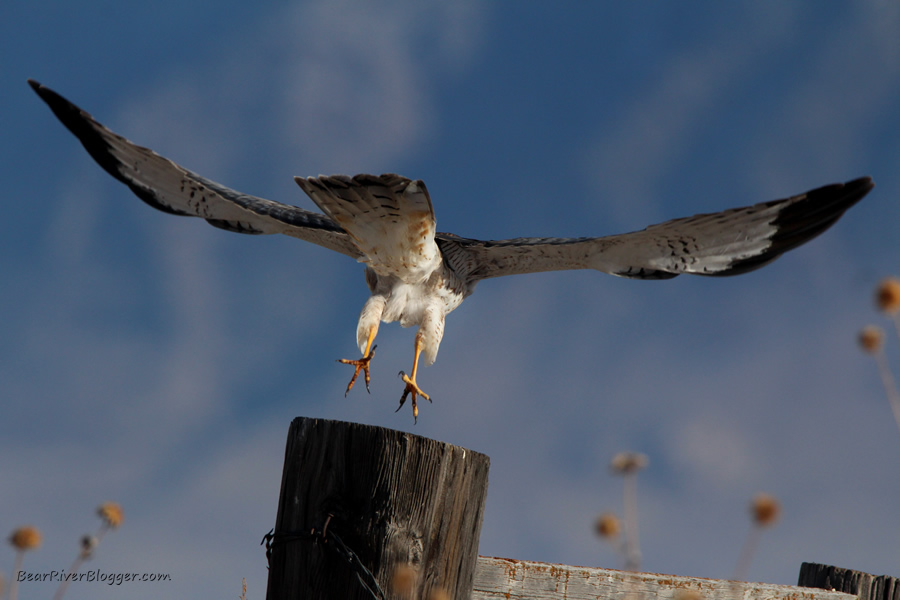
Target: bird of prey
(418,276)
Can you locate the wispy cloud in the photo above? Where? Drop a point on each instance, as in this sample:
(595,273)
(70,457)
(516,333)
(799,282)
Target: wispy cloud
(632,165)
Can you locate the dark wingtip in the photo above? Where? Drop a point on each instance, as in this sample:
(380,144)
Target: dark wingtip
(90,134)
(48,95)
(847,194)
(82,126)
(819,210)
(71,116)
(858,187)
(862,185)
(865,181)
(799,222)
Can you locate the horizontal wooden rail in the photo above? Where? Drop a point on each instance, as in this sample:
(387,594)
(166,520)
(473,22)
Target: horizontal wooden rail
(505,579)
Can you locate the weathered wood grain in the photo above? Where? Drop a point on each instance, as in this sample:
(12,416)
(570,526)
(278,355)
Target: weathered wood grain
(862,585)
(504,579)
(394,500)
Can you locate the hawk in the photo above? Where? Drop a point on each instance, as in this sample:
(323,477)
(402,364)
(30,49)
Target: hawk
(417,275)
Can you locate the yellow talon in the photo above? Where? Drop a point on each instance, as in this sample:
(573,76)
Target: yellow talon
(412,388)
(363,363)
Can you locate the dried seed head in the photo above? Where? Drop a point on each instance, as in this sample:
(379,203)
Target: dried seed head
(607,525)
(871,338)
(403,579)
(111,513)
(765,509)
(887,296)
(88,543)
(628,462)
(25,538)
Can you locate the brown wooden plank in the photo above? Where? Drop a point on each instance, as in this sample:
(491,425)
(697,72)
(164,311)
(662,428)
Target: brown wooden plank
(504,579)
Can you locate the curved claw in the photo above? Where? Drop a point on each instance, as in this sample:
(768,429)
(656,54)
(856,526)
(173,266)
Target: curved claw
(413,390)
(361,364)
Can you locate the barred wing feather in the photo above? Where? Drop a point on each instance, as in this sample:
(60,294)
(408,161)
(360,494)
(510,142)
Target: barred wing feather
(169,187)
(717,244)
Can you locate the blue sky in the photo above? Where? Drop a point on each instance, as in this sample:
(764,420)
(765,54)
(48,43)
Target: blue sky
(157,361)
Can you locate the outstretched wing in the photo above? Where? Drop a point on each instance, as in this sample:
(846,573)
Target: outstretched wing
(726,243)
(391,222)
(171,188)
(389,217)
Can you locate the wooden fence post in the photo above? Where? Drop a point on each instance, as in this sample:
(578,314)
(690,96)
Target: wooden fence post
(366,511)
(863,585)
